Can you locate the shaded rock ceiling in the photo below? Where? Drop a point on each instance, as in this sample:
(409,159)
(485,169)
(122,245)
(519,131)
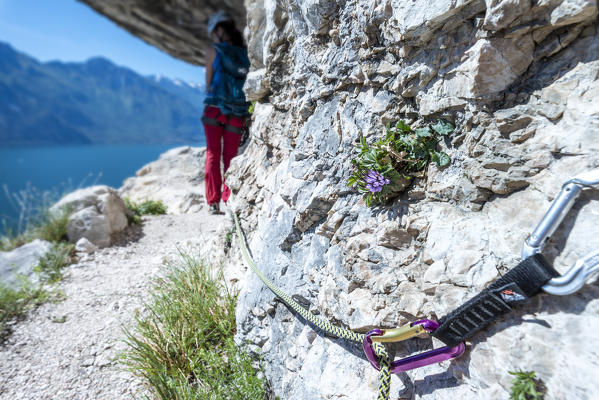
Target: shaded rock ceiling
(177,27)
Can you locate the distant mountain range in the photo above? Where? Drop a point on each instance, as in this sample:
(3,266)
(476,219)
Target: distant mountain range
(95,102)
(193,93)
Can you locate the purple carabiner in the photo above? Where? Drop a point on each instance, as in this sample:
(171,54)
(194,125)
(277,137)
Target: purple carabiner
(419,360)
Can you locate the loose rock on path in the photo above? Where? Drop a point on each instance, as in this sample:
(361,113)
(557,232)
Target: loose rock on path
(69,350)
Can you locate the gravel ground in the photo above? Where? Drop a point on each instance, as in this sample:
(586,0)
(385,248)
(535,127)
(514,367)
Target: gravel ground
(69,350)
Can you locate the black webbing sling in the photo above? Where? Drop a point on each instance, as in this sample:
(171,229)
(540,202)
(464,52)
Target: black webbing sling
(516,287)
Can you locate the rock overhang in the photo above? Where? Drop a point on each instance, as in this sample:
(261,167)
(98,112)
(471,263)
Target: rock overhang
(176,27)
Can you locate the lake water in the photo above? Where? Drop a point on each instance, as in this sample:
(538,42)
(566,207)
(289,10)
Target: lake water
(34,170)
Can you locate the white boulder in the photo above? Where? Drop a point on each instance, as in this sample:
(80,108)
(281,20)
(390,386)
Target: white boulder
(85,246)
(176,179)
(97,213)
(21,261)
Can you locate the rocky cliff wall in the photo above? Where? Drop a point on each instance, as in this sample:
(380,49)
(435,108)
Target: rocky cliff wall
(519,79)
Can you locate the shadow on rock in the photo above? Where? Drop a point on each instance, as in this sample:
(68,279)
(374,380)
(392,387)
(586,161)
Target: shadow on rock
(544,303)
(133,233)
(557,243)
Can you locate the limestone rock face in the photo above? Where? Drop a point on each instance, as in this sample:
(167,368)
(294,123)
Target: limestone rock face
(21,261)
(98,212)
(519,80)
(176,178)
(177,27)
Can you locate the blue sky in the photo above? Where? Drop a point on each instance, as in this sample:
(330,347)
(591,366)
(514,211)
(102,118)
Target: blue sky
(68,30)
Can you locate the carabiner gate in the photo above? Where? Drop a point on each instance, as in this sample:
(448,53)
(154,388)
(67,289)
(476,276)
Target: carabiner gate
(419,360)
(586,267)
(405,332)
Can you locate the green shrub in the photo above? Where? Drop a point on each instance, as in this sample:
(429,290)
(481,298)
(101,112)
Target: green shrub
(50,226)
(525,386)
(34,220)
(51,265)
(229,236)
(146,207)
(38,223)
(182,345)
(11,240)
(14,303)
(385,168)
(53,226)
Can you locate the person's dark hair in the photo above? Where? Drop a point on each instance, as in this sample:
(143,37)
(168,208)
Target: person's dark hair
(232,32)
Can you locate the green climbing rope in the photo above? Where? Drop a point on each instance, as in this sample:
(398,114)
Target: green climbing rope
(324,325)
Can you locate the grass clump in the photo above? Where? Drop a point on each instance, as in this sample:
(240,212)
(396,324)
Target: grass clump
(11,240)
(36,221)
(183,344)
(525,386)
(229,236)
(51,265)
(53,226)
(386,167)
(50,226)
(146,207)
(15,302)
(27,294)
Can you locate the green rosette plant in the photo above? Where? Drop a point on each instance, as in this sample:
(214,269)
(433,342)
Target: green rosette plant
(387,167)
(526,386)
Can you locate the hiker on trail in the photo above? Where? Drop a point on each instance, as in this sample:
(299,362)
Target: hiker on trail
(226,109)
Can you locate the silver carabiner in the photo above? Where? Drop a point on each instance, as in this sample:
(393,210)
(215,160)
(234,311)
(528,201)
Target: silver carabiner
(585,268)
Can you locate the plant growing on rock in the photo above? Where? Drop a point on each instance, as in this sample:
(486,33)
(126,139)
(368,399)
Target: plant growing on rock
(526,386)
(386,167)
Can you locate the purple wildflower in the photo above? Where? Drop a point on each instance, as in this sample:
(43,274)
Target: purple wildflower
(375,181)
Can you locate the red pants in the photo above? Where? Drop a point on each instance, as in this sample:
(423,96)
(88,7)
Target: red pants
(218,140)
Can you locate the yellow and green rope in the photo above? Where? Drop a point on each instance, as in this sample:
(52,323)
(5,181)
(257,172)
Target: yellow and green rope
(324,325)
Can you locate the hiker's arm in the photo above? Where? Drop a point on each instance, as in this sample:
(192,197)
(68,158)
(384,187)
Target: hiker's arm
(210,56)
